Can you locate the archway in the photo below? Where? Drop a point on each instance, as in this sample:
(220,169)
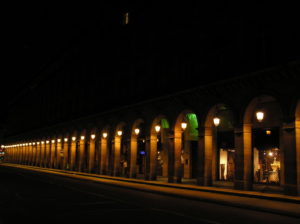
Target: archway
(159,148)
(263,157)
(103,155)
(219,145)
(137,150)
(120,149)
(186,146)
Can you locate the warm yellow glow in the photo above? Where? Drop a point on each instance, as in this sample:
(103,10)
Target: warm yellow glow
(268,132)
(59,140)
(73,138)
(53,141)
(120,133)
(136,131)
(93,136)
(33,143)
(82,137)
(260,115)
(2,146)
(216,121)
(47,142)
(183,125)
(30,143)
(38,143)
(270,153)
(43,142)
(26,144)
(65,139)
(104,135)
(157,128)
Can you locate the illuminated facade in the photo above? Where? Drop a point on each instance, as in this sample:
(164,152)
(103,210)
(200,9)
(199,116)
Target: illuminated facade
(242,132)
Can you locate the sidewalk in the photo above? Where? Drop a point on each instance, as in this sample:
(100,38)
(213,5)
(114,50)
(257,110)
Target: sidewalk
(267,202)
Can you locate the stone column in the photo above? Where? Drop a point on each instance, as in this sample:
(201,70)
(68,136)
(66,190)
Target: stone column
(81,154)
(73,154)
(248,162)
(153,157)
(239,158)
(288,148)
(133,157)
(117,150)
(298,154)
(91,150)
(43,150)
(66,164)
(104,156)
(208,155)
(58,162)
(171,157)
(177,157)
(201,159)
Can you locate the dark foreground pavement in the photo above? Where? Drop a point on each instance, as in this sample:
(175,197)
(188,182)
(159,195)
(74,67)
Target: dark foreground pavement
(48,196)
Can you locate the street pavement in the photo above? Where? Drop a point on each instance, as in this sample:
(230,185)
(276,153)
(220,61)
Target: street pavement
(56,200)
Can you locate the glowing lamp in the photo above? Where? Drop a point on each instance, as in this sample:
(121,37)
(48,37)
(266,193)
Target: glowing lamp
(183,125)
(104,135)
(59,140)
(157,128)
(65,139)
(136,131)
(93,136)
(216,121)
(82,137)
(260,115)
(120,133)
(73,138)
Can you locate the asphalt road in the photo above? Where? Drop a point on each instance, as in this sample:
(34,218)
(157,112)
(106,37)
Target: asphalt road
(34,197)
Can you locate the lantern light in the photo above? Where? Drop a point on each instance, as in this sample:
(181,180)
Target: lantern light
(65,139)
(59,140)
(268,132)
(120,133)
(82,137)
(183,125)
(137,131)
(47,142)
(260,115)
(43,142)
(216,121)
(157,128)
(73,138)
(53,141)
(93,136)
(104,135)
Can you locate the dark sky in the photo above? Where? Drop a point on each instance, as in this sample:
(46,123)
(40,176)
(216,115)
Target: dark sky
(35,35)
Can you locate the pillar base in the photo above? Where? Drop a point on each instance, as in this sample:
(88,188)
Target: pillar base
(239,184)
(290,189)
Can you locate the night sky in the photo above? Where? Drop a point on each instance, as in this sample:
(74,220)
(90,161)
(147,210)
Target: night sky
(185,41)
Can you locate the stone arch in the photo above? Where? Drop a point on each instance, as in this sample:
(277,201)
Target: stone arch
(104,153)
(118,144)
(135,163)
(252,129)
(157,147)
(183,149)
(212,151)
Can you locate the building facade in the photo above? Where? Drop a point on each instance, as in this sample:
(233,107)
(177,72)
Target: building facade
(242,132)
